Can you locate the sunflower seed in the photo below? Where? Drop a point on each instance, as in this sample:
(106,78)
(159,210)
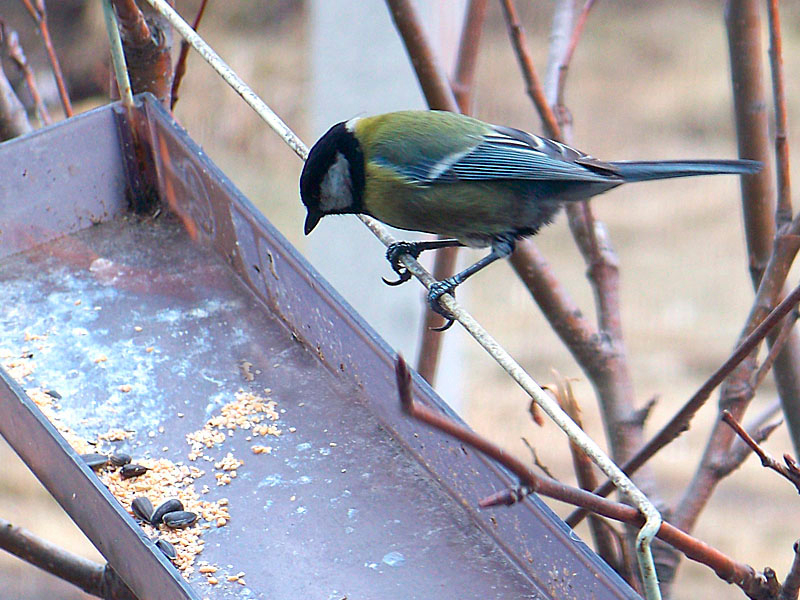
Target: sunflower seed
(142,508)
(95,461)
(179,519)
(167,507)
(167,548)
(120,460)
(132,470)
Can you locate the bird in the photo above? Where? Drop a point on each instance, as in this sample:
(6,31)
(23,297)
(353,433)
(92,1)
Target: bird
(474,183)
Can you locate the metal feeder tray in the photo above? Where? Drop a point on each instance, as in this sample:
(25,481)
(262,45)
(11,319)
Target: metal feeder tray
(357,501)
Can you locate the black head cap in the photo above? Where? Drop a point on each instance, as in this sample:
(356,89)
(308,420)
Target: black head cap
(332,181)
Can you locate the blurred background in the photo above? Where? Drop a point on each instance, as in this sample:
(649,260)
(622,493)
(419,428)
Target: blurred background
(648,81)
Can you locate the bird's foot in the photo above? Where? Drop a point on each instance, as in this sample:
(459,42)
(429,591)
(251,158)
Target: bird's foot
(435,292)
(393,254)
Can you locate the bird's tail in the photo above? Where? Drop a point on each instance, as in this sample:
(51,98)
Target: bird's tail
(646,171)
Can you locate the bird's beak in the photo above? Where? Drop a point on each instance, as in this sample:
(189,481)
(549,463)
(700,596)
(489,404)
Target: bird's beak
(312,218)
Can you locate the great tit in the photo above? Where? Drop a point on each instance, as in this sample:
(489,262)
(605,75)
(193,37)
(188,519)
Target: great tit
(449,174)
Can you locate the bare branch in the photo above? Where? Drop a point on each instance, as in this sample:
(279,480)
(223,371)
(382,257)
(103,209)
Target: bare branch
(467,58)
(39,14)
(788,471)
(147,44)
(180,65)
(563,314)
(726,568)
(92,578)
(775,349)
(791,585)
(13,118)
(16,54)
(604,542)
(602,267)
(744,23)
(741,451)
(561,29)
(769,257)
(784,205)
(680,421)
(563,68)
(429,72)
(536,460)
(533,84)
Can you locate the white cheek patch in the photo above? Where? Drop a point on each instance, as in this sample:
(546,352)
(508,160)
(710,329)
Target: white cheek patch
(336,189)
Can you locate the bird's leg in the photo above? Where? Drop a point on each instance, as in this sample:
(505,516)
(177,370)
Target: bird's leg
(413,249)
(502,246)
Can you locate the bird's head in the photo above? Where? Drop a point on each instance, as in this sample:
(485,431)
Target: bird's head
(332,181)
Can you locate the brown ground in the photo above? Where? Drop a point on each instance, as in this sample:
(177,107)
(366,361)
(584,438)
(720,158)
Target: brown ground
(646,82)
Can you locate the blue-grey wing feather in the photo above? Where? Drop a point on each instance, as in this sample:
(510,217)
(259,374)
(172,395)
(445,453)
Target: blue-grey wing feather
(508,153)
(512,154)
(505,154)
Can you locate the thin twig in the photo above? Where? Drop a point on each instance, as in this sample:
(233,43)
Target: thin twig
(39,14)
(680,421)
(766,460)
(604,543)
(791,585)
(775,349)
(15,52)
(740,451)
(533,83)
(563,68)
(727,569)
(600,258)
(563,314)
(232,79)
(180,65)
(13,118)
(602,266)
(784,205)
(743,20)
(536,460)
(467,57)
(430,74)
(562,25)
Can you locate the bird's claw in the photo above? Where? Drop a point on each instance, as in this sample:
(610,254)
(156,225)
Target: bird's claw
(404,276)
(447,286)
(393,254)
(435,292)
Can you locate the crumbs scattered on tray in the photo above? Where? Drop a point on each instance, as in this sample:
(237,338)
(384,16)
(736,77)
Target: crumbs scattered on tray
(161,482)
(249,411)
(115,435)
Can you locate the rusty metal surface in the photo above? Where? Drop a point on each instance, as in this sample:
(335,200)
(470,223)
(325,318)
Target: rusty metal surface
(355,500)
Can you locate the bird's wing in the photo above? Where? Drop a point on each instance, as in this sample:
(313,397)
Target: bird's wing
(506,153)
